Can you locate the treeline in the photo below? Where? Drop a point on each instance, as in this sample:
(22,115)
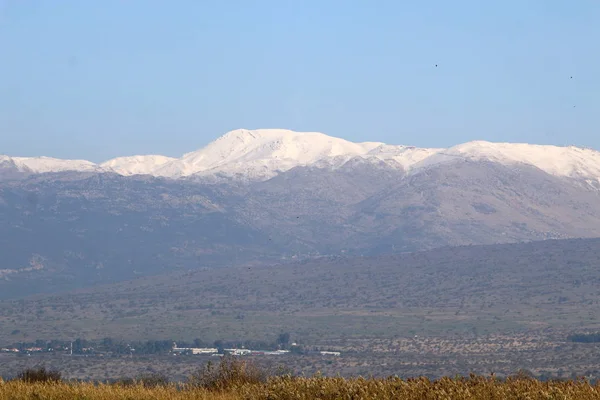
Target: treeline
(120,347)
(585,338)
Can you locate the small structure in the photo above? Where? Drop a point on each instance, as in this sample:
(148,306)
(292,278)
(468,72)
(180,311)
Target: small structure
(34,349)
(194,350)
(9,350)
(238,352)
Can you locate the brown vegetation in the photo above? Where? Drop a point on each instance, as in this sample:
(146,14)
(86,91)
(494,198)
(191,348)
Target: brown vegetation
(41,374)
(474,387)
(229,373)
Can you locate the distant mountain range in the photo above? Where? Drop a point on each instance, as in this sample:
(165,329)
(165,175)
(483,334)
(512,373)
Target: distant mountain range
(270,196)
(262,154)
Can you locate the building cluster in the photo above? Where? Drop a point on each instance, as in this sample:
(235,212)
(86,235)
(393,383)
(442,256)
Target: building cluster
(238,352)
(9,350)
(193,350)
(26,350)
(211,351)
(215,351)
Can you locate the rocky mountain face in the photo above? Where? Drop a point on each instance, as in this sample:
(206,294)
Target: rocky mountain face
(71,228)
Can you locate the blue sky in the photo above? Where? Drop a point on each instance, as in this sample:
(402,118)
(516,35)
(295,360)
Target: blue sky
(100,79)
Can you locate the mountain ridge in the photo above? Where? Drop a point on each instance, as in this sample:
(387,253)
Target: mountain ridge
(79,229)
(263,153)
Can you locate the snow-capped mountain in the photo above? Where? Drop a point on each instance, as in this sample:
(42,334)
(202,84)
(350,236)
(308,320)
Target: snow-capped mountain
(325,196)
(136,165)
(41,165)
(264,153)
(7,162)
(404,156)
(574,162)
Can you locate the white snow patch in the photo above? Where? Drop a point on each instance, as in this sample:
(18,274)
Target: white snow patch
(136,165)
(406,156)
(263,153)
(559,161)
(40,165)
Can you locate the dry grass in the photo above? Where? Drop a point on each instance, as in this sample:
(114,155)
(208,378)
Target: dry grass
(230,373)
(18,390)
(32,375)
(422,389)
(316,388)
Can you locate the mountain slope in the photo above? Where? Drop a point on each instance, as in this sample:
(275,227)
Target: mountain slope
(57,234)
(42,165)
(9,169)
(136,165)
(497,288)
(569,161)
(261,153)
(272,195)
(65,230)
(478,202)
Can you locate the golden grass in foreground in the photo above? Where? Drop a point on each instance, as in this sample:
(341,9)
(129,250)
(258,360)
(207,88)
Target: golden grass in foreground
(317,388)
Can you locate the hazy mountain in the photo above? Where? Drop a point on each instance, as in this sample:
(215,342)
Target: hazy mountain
(478,202)
(467,290)
(10,170)
(273,195)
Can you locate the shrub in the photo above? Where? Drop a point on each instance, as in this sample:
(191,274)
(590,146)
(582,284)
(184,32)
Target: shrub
(40,374)
(523,375)
(153,380)
(125,382)
(231,372)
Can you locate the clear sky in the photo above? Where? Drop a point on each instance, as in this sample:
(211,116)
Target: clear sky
(100,79)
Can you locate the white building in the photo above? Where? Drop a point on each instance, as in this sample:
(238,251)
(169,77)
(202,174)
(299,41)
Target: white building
(238,352)
(194,350)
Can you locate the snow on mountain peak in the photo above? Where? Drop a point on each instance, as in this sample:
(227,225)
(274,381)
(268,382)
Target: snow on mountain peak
(136,165)
(263,153)
(555,160)
(405,156)
(303,147)
(40,165)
